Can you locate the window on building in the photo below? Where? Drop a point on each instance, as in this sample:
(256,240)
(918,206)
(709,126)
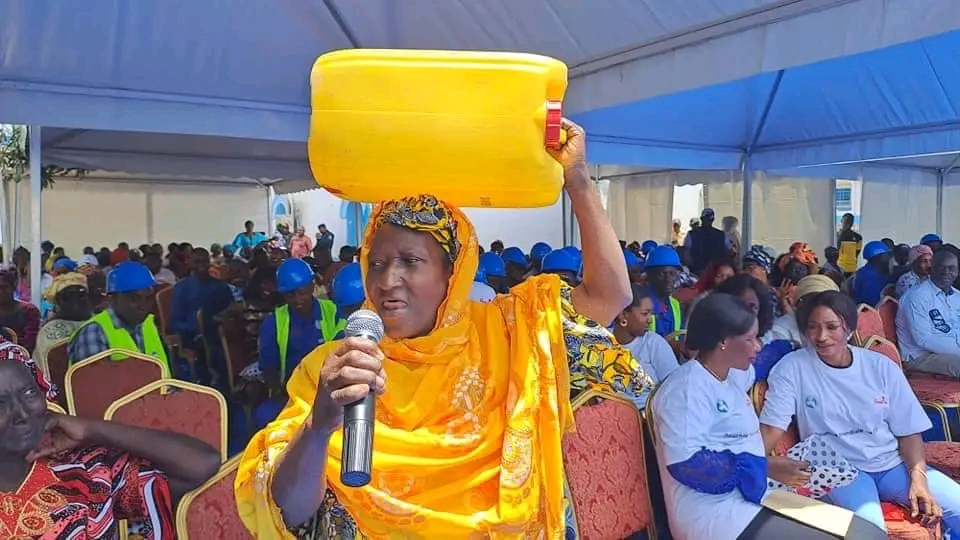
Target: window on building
(843,199)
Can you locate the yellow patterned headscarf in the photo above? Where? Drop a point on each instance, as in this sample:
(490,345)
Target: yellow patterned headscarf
(468,433)
(61,282)
(424,214)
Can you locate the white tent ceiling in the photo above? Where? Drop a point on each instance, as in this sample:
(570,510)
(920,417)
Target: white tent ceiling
(234,73)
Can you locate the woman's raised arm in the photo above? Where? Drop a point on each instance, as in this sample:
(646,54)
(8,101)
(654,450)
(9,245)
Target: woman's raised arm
(605,289)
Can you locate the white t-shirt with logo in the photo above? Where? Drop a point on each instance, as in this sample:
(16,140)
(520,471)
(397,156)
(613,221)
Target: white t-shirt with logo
(693,410)
(654,354)
(861,408)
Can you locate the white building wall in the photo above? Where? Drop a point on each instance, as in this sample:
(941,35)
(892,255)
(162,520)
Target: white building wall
(78,213)
(516,227)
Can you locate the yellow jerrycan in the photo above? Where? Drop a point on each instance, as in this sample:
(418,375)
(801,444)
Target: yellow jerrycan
(470,128)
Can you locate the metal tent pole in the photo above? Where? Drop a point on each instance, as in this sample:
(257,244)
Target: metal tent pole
(36,227)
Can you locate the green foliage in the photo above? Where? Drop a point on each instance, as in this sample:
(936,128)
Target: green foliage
(15,158)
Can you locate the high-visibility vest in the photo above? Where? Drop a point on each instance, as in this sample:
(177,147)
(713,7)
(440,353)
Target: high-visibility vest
(120,338)
(677,317)
(329,326)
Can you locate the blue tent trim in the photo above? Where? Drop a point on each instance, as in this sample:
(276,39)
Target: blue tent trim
(900,101)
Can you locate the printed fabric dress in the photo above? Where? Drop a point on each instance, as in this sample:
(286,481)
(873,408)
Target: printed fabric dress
(84,495)
(596,362)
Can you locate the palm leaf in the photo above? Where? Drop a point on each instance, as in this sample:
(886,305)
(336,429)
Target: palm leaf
(15,158)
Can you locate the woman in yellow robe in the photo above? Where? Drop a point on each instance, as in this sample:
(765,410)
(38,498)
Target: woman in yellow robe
(473,399)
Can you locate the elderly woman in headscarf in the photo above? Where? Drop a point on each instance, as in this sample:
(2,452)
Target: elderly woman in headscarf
(70,298)
(472,399)
(920,261)
(68,477)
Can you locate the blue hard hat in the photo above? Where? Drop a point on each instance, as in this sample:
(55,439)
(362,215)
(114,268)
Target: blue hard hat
(514,255)
(292,275)
(931,237)
(480,276)
(647,246)
(129,276)
(347,286)
(65,263)
(540,250)
(632,260)
(560,261)
(492,265)
(661,256)
(874,248)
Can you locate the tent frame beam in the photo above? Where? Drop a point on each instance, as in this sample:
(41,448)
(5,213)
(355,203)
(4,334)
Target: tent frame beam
(746,173)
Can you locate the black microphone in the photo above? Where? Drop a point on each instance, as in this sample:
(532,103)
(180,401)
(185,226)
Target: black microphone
(357,457)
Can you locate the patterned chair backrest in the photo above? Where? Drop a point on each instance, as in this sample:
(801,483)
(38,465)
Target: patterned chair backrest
(177,406)
(53,407)
(164,299)
(93,384)
(869,324)
(58,362)
(885,347)
(10,335)
(605,467)
(887,308)
(210,511)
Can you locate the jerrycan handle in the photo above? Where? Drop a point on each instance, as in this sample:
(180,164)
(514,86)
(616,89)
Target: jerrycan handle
(555,136)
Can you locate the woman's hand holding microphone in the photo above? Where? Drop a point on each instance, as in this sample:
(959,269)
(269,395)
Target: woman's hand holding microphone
(349,373)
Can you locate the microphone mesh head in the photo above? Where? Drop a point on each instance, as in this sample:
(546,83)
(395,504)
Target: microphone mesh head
(364,322)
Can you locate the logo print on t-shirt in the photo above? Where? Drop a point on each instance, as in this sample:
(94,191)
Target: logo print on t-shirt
(882,400)
(810,402)
(722,406)
(939,323)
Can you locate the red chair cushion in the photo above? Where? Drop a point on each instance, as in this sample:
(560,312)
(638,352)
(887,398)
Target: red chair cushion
(934,389)
(944,456)
(901,526)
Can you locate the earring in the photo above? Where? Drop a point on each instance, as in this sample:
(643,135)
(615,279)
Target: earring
(723,347)
(623,322)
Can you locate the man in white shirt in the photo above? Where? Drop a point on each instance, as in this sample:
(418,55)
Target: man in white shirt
(928,321)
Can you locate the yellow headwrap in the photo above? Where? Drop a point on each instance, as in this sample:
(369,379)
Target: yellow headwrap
(468,433)
(61,282)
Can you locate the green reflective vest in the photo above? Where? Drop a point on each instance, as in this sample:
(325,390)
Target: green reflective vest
(120,338)
(677,317)
(328,324)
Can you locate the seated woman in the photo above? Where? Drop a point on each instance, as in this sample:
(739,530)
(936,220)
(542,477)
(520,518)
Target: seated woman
(716,273)
(712,461)
(71,309)
(785,327)
(67,477)
(473,398)
(755,295)
(861,402)
(632,330)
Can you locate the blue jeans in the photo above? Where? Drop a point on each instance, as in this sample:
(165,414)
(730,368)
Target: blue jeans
(864,494)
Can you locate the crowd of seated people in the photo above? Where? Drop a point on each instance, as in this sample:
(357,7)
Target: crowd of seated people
(280,308)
